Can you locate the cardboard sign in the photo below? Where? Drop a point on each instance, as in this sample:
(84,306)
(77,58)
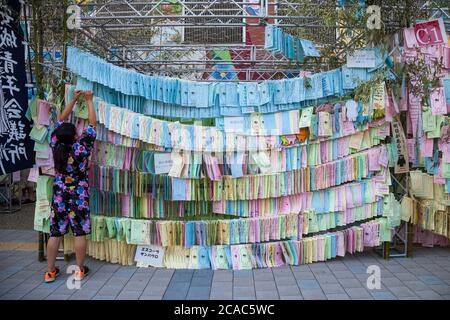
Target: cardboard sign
(149,256)
(163,162)
(361,59)
(430,32)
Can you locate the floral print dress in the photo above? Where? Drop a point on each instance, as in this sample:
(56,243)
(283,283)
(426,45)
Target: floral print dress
(70,203)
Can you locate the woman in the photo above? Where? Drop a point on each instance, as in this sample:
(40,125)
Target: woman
(70,203)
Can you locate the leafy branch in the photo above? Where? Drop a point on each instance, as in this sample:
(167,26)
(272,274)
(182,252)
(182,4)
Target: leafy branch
(339,30)
(364,89)
(423,76)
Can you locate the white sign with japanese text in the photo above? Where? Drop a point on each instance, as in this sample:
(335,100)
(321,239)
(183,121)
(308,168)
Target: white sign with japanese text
(361,59)
(163,162)
(149,256)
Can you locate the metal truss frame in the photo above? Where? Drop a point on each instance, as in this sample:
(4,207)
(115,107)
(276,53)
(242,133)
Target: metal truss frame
(437,11)
(250,62)
(104,22)
(192,13)
(185,60)
(124,14)
(164,54)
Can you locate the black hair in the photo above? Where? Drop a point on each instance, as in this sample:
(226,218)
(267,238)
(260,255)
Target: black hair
(65,137)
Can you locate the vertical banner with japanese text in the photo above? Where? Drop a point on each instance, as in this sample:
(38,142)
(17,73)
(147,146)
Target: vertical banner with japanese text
(402,163)
(16,146)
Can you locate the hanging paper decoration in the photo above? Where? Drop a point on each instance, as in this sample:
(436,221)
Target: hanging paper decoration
(265,185)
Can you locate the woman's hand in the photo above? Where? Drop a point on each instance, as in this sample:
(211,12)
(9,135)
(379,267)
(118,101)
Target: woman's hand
(89,95)
(77,94)
(68,109)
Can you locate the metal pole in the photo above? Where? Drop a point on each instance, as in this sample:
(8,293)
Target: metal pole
(39,55)
(386,250)
(64,53)
(41,241)
(37,30)
(409,228)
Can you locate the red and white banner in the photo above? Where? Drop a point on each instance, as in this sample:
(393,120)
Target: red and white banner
(430,32)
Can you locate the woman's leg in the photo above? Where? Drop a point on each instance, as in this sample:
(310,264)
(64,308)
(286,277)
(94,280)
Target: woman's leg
(52,251)
(80,250)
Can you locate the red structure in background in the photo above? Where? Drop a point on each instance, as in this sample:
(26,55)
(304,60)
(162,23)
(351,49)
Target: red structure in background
(254,35)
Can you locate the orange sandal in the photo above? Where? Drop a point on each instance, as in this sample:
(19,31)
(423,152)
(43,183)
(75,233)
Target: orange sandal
(51,276)
(81,274)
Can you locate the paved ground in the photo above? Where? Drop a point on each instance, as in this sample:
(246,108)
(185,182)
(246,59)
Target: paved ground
(22,219)
(426,276)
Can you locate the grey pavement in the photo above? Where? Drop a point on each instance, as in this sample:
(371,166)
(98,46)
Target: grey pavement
(426,276)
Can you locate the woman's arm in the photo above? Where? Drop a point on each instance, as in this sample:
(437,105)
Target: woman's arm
(68,109)
(91,112)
